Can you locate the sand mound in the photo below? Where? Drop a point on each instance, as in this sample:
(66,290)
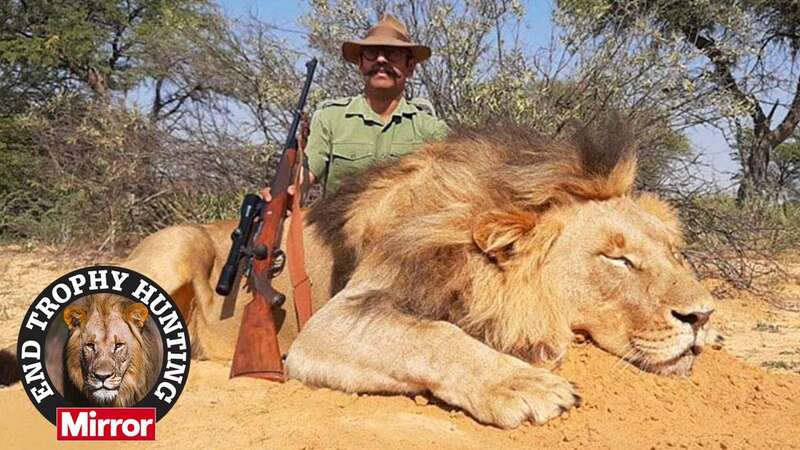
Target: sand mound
(724,404)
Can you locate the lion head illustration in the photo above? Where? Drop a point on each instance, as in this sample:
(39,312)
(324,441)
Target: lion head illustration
(112,355)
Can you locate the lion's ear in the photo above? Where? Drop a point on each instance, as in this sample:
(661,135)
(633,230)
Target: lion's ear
(136,313)
(495,232)
(74,315)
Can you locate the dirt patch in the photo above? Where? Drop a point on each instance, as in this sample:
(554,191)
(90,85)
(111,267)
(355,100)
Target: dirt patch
(23,275)
(763,333)
(726,404)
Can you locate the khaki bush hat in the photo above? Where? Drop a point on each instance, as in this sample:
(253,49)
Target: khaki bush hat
(389,32)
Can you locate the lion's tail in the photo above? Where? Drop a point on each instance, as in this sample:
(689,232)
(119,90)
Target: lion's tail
(8,365)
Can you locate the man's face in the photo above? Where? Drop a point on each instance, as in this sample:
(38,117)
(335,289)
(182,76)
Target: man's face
(386,69)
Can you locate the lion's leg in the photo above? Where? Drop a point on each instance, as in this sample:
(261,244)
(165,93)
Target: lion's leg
(359,343)
(203,297)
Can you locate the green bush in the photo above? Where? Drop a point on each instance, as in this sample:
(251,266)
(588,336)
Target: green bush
(741,244)
(96,174)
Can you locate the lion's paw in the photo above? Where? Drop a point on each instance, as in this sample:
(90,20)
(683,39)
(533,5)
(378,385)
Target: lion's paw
(533,394)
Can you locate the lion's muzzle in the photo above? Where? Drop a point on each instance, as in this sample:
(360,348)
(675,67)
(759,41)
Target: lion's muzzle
(103,386)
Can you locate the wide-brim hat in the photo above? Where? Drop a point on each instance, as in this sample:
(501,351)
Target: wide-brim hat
(389,32)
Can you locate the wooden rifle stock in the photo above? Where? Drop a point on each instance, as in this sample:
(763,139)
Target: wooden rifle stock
(258,354)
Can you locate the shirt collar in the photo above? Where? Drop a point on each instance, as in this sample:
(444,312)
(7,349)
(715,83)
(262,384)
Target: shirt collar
(360,107)
(404,108)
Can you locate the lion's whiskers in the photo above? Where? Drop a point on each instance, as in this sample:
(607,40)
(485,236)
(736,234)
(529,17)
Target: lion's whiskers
(629,352)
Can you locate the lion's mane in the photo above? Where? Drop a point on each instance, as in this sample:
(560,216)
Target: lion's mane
(412,225)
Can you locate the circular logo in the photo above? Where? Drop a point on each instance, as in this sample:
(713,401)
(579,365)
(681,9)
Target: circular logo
(103,336)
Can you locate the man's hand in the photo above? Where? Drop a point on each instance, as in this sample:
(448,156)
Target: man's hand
(267,195)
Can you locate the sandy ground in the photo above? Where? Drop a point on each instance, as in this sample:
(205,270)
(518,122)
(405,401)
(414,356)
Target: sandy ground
(745,394)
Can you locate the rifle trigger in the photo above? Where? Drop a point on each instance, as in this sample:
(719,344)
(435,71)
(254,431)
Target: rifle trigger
(248,269)
(277,264)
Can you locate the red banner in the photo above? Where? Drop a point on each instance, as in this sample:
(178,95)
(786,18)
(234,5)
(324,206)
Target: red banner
(106,424)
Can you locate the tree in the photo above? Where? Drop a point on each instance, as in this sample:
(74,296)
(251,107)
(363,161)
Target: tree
(784,166)
(787,167)
(68,141)
(52,46)
(742,55)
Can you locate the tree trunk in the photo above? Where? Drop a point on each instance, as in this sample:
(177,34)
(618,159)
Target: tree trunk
(755,175)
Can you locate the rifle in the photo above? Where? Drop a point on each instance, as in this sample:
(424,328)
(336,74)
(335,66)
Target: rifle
(256,249)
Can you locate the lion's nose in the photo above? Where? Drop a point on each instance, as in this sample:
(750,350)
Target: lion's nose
(102,376)
(696,319)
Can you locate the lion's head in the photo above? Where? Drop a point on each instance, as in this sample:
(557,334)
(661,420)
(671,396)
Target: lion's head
(111,357)
(523,242)
(617,264)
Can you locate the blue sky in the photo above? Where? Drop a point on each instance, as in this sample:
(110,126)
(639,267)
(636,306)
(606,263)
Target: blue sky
(537,27)
(279,13)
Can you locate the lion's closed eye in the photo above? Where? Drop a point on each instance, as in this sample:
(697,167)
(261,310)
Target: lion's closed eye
(619,261)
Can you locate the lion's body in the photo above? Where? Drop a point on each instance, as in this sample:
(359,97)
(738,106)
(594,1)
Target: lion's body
(113,353)
(451,268)
(193,256)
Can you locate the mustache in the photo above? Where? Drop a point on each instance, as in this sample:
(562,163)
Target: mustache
(382,67)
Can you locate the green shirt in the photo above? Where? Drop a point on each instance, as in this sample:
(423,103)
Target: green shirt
(347,136)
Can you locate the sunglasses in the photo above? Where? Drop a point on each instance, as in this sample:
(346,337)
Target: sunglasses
(393,54)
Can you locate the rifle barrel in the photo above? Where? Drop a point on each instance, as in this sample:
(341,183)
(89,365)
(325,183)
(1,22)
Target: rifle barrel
(311,66)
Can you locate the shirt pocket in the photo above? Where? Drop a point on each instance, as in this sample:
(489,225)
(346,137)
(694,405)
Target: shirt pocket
(347,160)
(349,151)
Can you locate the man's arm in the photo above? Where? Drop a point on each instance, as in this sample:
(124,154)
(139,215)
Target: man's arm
(318,147)
(437,130)
(431,126)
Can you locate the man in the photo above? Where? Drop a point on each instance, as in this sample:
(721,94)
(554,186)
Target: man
(349,134)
